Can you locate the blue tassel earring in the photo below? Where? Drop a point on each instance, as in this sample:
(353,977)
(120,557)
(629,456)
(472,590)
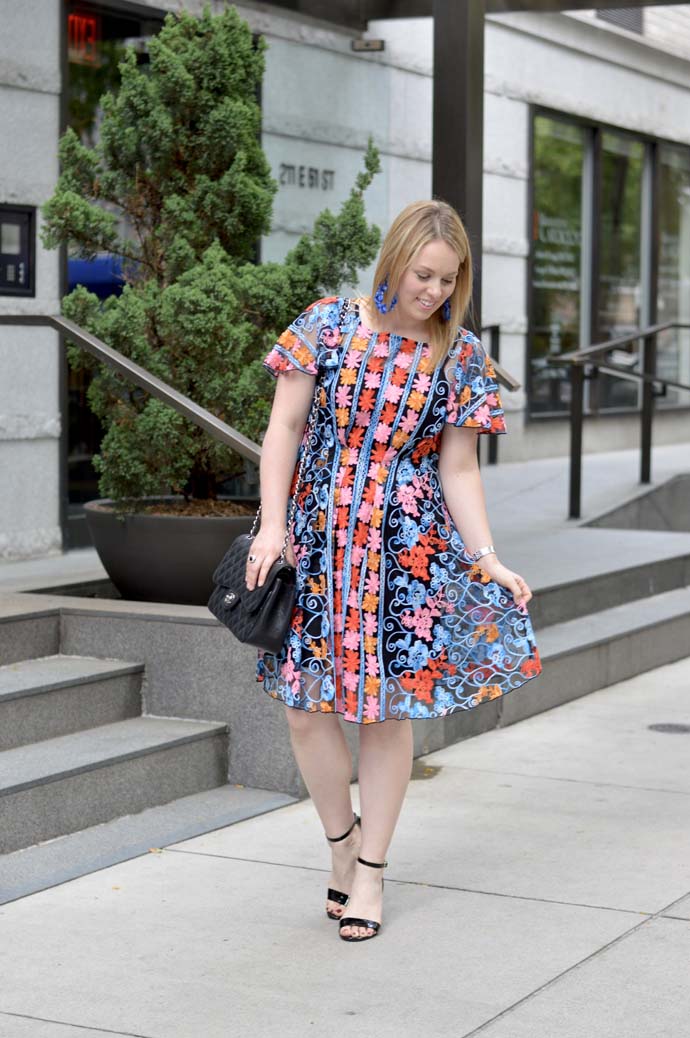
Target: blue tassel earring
(445,310)
(379,300)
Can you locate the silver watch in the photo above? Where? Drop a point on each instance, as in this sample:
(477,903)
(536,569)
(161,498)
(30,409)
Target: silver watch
(481,552)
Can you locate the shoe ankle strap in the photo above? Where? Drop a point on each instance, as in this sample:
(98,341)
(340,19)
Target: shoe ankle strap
(373,864)
(337,839)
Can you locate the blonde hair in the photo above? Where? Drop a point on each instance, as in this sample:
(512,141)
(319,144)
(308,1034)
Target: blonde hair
(418,224)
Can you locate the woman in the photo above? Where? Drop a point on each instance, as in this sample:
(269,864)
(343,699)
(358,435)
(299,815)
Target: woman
(403,607)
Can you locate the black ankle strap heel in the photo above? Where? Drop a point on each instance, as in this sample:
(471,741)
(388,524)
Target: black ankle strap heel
(337,839)
(337,895)
(369,924)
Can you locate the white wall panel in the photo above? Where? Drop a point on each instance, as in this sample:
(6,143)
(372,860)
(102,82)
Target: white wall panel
(314,94)
(29,407)
(29,366)
(506,135)
(29,521)
(28,44)
(503,290)
(409,42)
(505,219)
(315,176)
(409,114)
(408,181)
(575,66)
(29,124)
(669,27)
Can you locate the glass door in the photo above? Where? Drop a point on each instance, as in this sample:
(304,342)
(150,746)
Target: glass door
(620,236)
(556,258)
(673,296)
(599,197)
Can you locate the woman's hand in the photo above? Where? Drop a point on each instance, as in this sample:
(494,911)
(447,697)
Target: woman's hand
(266,548)
(504,576)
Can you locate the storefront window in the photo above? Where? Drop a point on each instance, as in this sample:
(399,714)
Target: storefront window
(556,257)
(619,259)
(673,296)
(589,277)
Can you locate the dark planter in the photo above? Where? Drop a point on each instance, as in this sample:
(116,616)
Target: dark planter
(162,558)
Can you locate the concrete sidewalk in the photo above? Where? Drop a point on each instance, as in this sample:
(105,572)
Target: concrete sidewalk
(539,885)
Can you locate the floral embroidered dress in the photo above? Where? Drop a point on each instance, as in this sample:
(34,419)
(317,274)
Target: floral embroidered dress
(392,618)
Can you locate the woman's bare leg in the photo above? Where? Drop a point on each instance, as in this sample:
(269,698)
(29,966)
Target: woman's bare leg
(385,764)
(325,763)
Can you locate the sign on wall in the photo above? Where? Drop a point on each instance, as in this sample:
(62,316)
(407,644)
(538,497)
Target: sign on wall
(16,250)
(311,177)
(83,38)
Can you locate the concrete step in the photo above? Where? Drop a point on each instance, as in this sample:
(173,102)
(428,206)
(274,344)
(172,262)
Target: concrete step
(581,654)
(603,648)
(74,781)
(59,860)
(570,599)
(55,695)
(27,633)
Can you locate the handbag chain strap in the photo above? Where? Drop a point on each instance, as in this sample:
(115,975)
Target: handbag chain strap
(310,430)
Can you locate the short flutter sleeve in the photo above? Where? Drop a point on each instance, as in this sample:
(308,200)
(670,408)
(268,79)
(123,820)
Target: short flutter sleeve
(473,399)
(298,347)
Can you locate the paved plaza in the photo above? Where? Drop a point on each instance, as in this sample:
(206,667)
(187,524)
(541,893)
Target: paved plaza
(539,885)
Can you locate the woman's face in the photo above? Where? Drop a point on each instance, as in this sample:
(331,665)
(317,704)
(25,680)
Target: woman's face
(428,281)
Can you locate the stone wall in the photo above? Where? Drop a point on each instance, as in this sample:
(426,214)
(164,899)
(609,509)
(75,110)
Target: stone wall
(29,359)
(665,27)
(669,27)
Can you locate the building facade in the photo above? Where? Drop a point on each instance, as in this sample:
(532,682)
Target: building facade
(586,218)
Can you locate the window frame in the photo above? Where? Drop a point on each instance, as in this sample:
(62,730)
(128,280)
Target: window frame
(590,252)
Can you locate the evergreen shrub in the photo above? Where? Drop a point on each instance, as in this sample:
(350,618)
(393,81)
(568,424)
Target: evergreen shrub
(179,187)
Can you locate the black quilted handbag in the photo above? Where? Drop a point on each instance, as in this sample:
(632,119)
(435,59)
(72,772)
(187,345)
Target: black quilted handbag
(260,617)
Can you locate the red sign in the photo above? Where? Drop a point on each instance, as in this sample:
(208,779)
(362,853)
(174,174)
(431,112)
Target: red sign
(83,38)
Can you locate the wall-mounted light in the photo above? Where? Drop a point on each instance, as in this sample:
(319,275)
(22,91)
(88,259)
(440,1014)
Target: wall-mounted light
(368,45)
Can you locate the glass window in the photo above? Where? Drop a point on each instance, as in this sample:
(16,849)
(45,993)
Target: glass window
(559,149)
(673,296)
(619,259)
(96,40)
(569,307)
(630,20)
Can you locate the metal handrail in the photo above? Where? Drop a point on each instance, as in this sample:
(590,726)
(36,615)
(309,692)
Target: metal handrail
(612,344)
(641,376)
(494,352)
(578,360)
(218,429)
(507,380)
